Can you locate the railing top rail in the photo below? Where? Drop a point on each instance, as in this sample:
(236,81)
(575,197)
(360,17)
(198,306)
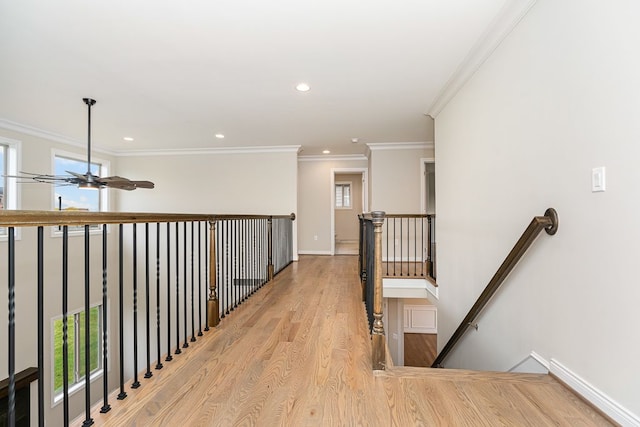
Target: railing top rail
(33,218)
(423,215)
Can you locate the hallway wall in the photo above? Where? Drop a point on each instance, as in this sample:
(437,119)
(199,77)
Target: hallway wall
(557,98)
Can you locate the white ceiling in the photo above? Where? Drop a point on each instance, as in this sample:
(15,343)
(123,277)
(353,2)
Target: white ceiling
(173,74)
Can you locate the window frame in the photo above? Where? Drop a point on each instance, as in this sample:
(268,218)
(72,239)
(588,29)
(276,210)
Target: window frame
(79,384)
(11,196)
(347,184)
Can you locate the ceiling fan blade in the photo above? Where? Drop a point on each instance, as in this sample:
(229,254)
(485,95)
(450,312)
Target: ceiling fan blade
(123,183)
(81,177)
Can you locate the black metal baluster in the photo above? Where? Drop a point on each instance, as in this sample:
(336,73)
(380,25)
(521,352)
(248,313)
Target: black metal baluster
(200,279)
(184,284)
(41,326)
(65,322)
(401,245)
(394,246)
(147,374)
(105,361)
(234,268)
(136,383)
(254,251)
(422,247)
(206,275)
(87,333)
(178,350)
(415,246)
(243,260)
(169,358)
(11,337)
(122,393)
(193,319)
(158,363)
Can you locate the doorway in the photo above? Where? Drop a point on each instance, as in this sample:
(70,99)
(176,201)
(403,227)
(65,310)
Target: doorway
(349,195)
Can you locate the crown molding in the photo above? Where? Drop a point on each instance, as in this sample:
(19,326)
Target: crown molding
(336,158)
(507,19)
(378,146)
(216,150)
(51,136)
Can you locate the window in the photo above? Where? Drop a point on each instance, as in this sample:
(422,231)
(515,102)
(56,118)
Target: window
(343,195)
(76,349)
(70,197)
(8,187)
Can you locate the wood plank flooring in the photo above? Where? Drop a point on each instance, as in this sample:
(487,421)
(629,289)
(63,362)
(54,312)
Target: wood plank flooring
(298,353)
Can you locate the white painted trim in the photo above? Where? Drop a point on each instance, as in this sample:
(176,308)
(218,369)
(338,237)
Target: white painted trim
(593,395)
(365,199)
(507,19)
(51,136)
(541,360)
(532,356)
(213,150)
(376,146)
(303,252)
(336,158)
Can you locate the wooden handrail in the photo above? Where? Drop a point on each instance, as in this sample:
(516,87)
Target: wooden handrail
(32,218)
(424,215)
(549,223)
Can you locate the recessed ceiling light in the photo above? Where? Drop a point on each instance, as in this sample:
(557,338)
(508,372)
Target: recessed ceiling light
(302,87)
(326,151)
(354,140)
(128,138)
(219,136)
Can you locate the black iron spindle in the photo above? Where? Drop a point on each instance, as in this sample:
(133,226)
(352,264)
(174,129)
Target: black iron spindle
(147,374)
(41,326)
(136,383)
(169,357)
(65,324)
(178,350)
(87,333)
(193,319)
(122,393)
(422,247)
(184,283)
(206,274)
(415,246)
(158,363)
(234,275)
(200,278)
(11,337)
(394,246)
(105,361)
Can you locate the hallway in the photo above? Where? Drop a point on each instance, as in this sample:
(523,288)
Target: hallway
(298,354)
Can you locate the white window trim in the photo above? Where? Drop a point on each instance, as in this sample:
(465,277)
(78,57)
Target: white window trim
(105,167)
(56,399)
(14,159)
(350,184)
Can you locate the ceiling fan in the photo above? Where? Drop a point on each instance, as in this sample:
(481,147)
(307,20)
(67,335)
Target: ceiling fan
(88,180)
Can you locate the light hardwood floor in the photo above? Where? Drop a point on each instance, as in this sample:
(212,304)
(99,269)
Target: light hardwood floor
(298,354)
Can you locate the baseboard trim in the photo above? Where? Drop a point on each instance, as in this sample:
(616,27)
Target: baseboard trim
(593,395)
(314,253)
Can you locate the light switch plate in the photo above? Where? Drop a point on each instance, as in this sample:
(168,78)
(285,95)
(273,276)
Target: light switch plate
(598,181)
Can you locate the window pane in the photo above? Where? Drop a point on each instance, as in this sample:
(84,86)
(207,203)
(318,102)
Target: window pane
(57,352)
(347,196)
(94,341)
(338,196)
(70,197)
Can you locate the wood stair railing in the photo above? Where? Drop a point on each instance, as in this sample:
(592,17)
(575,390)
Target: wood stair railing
(549,223)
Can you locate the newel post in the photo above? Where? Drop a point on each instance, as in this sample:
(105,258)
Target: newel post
(212,302)
(270,269)
(378,338)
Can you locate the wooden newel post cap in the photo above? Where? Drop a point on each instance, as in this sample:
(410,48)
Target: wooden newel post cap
(377,217)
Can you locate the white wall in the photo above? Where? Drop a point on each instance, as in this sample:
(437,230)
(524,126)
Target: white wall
(558,97)
(314,202)
(396,177)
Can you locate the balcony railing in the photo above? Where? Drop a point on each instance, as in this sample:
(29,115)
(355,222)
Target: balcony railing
(160,282)
(408,245)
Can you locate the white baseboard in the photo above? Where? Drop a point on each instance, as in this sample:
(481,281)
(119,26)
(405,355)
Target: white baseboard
(532,364)
(594,396)
(301,252)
